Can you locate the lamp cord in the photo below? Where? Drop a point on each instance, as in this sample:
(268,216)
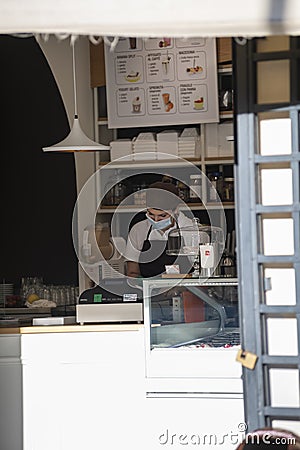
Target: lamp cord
(74,80)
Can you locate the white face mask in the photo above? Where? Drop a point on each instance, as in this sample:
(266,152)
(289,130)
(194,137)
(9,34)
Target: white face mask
(161,224)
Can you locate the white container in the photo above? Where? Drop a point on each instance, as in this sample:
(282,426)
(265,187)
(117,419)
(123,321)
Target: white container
(219,140)
(167,144)
(121,148)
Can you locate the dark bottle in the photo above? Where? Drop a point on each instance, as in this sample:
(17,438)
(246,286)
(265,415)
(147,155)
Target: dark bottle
(215,187)
(115,190)
(228,190)
(183,191)
(195,188)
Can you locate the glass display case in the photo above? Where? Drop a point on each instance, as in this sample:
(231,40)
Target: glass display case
(192,327)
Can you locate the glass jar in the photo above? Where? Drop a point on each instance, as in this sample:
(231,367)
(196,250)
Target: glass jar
(183,191)
(139,194)
(115,190)
(228,189)
(167,178)
(119,192)
(215,186)
(195,188)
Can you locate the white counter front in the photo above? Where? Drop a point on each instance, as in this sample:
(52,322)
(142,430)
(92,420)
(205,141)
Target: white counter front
(89,390)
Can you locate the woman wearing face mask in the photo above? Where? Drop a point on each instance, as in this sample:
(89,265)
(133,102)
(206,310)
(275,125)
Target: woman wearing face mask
(147,241)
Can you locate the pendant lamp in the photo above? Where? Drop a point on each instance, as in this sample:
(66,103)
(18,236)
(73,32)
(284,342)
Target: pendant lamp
(77,140)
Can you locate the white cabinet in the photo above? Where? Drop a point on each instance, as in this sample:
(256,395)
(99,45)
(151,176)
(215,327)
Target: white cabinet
(82,389)
(191,389)
(88,389)
(219,140)
(10,392)
(195,421)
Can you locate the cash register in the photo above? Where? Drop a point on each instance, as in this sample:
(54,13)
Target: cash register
(112,300)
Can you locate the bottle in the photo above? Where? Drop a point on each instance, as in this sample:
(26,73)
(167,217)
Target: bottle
(167,178)
(195,239)
(228,189)
(215,187)
(183,191)
(142,200)
(195,247)
(108,199)
(115,190)
(195,188)
(136,194)
(139,196)
(119,192)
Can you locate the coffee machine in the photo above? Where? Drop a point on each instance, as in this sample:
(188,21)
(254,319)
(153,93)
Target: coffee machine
(202,244)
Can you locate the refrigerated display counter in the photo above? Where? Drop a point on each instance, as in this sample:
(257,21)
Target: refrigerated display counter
(192,330)
(192,377)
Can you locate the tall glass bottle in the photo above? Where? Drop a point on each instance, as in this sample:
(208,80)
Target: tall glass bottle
(115,190)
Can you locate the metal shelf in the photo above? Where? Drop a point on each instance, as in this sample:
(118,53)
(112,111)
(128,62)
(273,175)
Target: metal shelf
(102,121)
(138,208)
(227,69)
(226,114)
(154,162)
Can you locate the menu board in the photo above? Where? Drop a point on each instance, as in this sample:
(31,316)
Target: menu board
(161,81)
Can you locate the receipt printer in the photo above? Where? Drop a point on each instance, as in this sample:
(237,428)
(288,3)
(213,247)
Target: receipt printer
(113,300)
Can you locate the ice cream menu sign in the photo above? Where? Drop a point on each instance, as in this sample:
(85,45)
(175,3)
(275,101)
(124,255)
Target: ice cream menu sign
(161,82)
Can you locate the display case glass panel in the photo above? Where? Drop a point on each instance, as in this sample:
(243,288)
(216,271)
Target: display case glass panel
(192,313)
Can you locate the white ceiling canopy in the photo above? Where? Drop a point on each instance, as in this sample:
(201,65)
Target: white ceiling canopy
(151,18)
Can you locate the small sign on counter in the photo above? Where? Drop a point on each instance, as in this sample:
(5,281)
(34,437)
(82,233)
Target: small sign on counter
(130,298)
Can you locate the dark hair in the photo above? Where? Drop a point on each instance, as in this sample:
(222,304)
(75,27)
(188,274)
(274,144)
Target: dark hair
(262,438)
(166,200)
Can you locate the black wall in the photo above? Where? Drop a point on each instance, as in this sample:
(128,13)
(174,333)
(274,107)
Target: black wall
(37,189)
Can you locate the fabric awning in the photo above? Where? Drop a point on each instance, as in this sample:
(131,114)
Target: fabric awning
(151,18)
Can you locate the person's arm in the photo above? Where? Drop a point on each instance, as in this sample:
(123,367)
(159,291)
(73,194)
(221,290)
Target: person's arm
(133,269)
(132,252)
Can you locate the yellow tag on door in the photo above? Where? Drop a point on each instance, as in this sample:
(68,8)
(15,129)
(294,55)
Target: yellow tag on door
(247,359)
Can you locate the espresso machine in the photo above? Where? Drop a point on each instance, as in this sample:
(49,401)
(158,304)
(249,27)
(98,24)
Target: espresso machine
(202,244)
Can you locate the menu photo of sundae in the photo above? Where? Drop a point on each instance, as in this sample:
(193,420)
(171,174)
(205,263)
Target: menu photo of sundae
(194,69)
(199,103)
(167,102)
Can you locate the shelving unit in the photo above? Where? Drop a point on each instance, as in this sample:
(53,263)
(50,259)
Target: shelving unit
(114,214)
(154,166)
(105,135)
(102,121)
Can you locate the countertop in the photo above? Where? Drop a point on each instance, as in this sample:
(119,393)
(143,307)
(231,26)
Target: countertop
(71,328)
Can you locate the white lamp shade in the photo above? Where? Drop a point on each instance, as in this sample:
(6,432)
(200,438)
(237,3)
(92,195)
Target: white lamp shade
(76,141)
